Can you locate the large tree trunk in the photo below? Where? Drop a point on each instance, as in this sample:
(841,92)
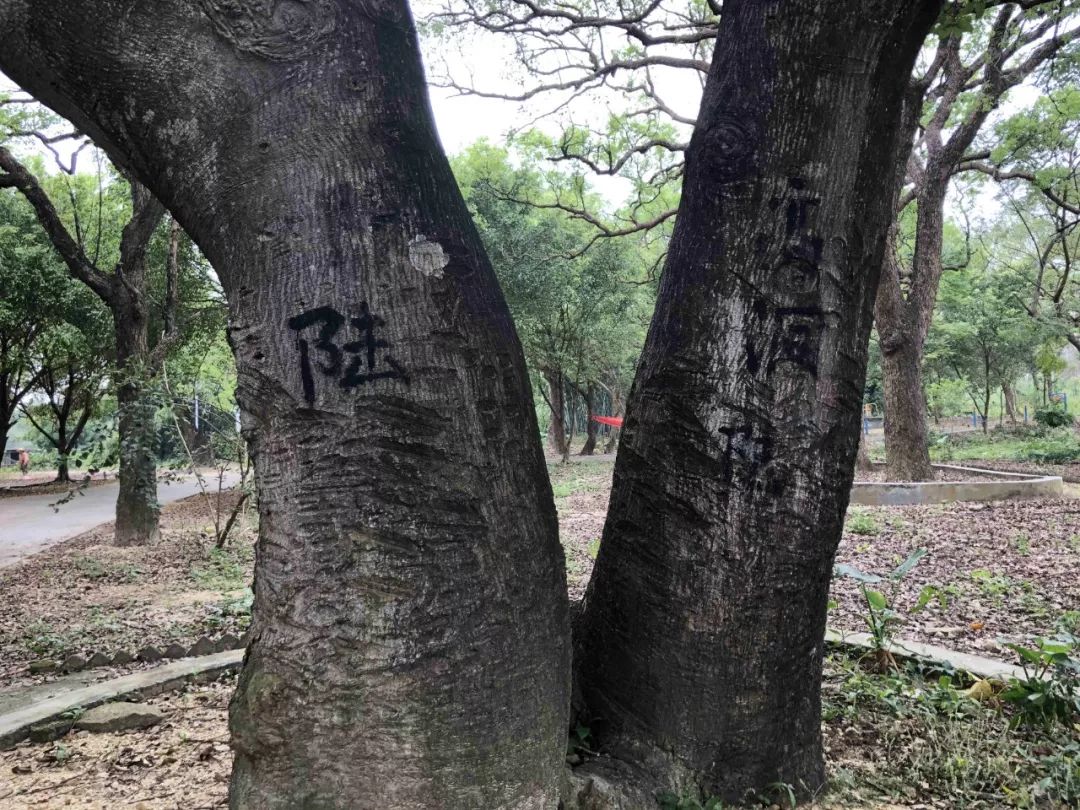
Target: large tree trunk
(410,632)
(907,432)
(701,639)
(137,509)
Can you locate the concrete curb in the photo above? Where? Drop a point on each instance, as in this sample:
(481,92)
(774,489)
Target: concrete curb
(1008,486)
(985,668)
(15,725)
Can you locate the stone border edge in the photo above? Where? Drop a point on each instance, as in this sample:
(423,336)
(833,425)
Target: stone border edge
(15,726)
(1008,486)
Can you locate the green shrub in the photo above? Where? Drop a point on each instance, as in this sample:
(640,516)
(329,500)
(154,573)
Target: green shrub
(1053,417)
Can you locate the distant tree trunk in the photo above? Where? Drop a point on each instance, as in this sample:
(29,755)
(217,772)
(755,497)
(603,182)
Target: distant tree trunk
(907,433)
(137,509)
(1010,401)
(701,640)
(589,396)
(903,323)
(557,406)
(69,386)
(862,458)
(616,410)
(409,643)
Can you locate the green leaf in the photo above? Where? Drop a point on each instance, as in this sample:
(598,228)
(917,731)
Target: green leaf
(905,567)
(875,599)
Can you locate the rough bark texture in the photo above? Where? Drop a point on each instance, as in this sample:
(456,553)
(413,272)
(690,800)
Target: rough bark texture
(701,638)
(410,634)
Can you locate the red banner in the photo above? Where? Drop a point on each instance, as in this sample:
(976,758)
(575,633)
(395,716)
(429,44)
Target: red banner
(614,421)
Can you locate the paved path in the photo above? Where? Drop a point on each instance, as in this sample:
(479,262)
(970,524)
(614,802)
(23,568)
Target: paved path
(28,524)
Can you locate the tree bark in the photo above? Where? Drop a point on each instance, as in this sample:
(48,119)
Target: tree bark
(903,322)
(701,639)
(862,458)
(409,640)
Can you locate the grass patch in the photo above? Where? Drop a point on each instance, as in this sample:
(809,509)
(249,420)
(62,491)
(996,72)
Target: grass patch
(226,569)
(914,737)
(579,478)
(1041,445)
(861,523)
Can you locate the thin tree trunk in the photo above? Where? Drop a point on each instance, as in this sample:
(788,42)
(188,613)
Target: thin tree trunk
(557,407)
(1010,401)
(701,641)
(862,458)
(590,425)
(409,642)
(616,410)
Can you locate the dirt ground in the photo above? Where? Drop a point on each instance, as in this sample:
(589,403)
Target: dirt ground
(86,595)
(1006,571)
(183,762)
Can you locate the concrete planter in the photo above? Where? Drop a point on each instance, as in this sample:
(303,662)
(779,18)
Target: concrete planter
(985,485)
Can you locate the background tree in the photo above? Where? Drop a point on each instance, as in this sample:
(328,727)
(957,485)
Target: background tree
(982,53)
(124,291)
(581,308)
(33,282)
(71,373)
(981,335)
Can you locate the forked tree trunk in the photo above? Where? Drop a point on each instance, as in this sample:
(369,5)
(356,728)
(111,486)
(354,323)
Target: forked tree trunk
(410,632)
(701,640)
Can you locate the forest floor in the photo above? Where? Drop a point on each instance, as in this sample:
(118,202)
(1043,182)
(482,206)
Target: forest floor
(1002,572)
(892,741)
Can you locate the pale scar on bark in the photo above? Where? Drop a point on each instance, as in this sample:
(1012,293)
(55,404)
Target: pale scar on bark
(427,257)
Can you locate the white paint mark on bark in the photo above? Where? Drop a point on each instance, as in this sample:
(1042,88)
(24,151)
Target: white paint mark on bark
(427,257)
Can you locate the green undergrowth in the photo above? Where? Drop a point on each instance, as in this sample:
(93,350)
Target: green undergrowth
(579,477)
(921,738)
(1035,445)
(224,569)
